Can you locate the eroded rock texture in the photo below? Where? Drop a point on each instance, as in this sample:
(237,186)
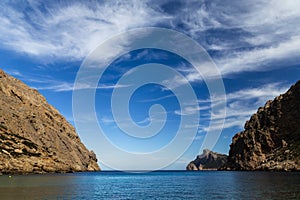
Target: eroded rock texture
(34,136)
(271,139)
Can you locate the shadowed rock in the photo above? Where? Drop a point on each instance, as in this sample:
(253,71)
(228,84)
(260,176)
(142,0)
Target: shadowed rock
(208,160)
(271,139)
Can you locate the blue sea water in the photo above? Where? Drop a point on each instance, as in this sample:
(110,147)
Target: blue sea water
(153,185)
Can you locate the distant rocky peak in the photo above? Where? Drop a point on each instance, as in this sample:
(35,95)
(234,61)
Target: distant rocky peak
(206,153)
(208,160)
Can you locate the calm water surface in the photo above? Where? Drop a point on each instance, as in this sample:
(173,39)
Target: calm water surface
(154,185)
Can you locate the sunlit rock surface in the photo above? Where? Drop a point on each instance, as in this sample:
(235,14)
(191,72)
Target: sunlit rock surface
(34,136)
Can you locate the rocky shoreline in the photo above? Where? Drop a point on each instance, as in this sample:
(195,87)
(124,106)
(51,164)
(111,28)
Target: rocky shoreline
(271,139)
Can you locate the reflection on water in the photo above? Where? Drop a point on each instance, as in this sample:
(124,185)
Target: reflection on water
(155,185)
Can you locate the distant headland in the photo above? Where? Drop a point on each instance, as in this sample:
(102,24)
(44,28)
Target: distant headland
(270,141)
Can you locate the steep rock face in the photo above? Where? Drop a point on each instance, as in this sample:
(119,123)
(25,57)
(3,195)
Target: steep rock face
(34,137)
(271,139)
(208,160)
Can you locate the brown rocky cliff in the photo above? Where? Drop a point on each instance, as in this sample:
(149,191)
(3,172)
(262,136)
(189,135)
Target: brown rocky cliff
(34,136)
(271,139)
(208,160)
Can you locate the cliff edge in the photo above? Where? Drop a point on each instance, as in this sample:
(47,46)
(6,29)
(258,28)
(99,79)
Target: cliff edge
(271,139)
(34,136)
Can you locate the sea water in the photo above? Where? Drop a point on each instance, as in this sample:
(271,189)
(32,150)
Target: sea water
(153,185)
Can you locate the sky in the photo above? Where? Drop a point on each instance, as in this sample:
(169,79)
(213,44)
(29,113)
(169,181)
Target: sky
(249,49)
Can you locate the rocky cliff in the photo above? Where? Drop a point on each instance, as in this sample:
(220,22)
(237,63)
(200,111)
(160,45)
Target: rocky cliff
(208,160)
(34,136)
(271,139)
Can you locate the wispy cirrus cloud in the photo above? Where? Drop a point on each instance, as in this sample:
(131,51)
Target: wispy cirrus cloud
(241,105)
(158,98)
(57,86)
(50,83)
(246,35)
(67,30)
(188,110)
(260,59)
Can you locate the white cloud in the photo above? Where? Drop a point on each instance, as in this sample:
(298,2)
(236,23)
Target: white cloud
(68,30)
(62,86)
(266,91)
(147,120)
(257,59)
(249,34)
(241,105)
(158,98)
(14,72)
(107,120)
(273,31)
(57,87)
(256,33)
(187,110)
(172,83)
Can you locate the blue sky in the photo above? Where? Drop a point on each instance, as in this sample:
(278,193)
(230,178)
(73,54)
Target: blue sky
(254,44)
